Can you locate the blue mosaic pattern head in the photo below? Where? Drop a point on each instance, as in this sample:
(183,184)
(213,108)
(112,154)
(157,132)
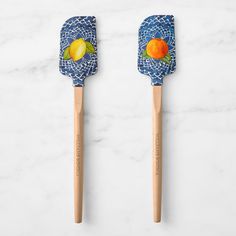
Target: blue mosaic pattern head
(156,53)
(78,48)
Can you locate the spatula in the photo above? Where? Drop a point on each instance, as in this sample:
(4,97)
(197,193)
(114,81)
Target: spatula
(78,60)
(156,58)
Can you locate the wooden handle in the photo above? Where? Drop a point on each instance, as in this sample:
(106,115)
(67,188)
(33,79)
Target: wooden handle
(78,153)
(157,152)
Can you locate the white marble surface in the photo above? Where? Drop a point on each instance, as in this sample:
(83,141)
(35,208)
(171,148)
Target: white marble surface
(36,122)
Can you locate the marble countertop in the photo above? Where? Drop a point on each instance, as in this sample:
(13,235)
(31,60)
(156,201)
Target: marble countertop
(36,122)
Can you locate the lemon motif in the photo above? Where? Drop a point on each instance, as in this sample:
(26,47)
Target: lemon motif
(77,49)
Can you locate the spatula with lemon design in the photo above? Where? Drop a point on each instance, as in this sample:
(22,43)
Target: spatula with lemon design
(156,58)
(78,60)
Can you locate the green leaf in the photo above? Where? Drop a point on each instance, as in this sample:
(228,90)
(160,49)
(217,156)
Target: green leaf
(145,54)
(66,54)
(165,59)
(89,48)
(168,56)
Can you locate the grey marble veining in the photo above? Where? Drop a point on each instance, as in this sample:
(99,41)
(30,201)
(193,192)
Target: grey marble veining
(199,129)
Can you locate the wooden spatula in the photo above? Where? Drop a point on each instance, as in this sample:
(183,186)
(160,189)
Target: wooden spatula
(78,60)
(156,58)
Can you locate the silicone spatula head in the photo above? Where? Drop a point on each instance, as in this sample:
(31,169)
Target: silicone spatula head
(156,53)
(78,48)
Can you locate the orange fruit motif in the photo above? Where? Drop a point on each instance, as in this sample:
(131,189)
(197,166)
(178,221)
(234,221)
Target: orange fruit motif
(157,48)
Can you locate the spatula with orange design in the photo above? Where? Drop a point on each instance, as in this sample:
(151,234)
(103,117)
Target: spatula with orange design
(156,58)
(78,60)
